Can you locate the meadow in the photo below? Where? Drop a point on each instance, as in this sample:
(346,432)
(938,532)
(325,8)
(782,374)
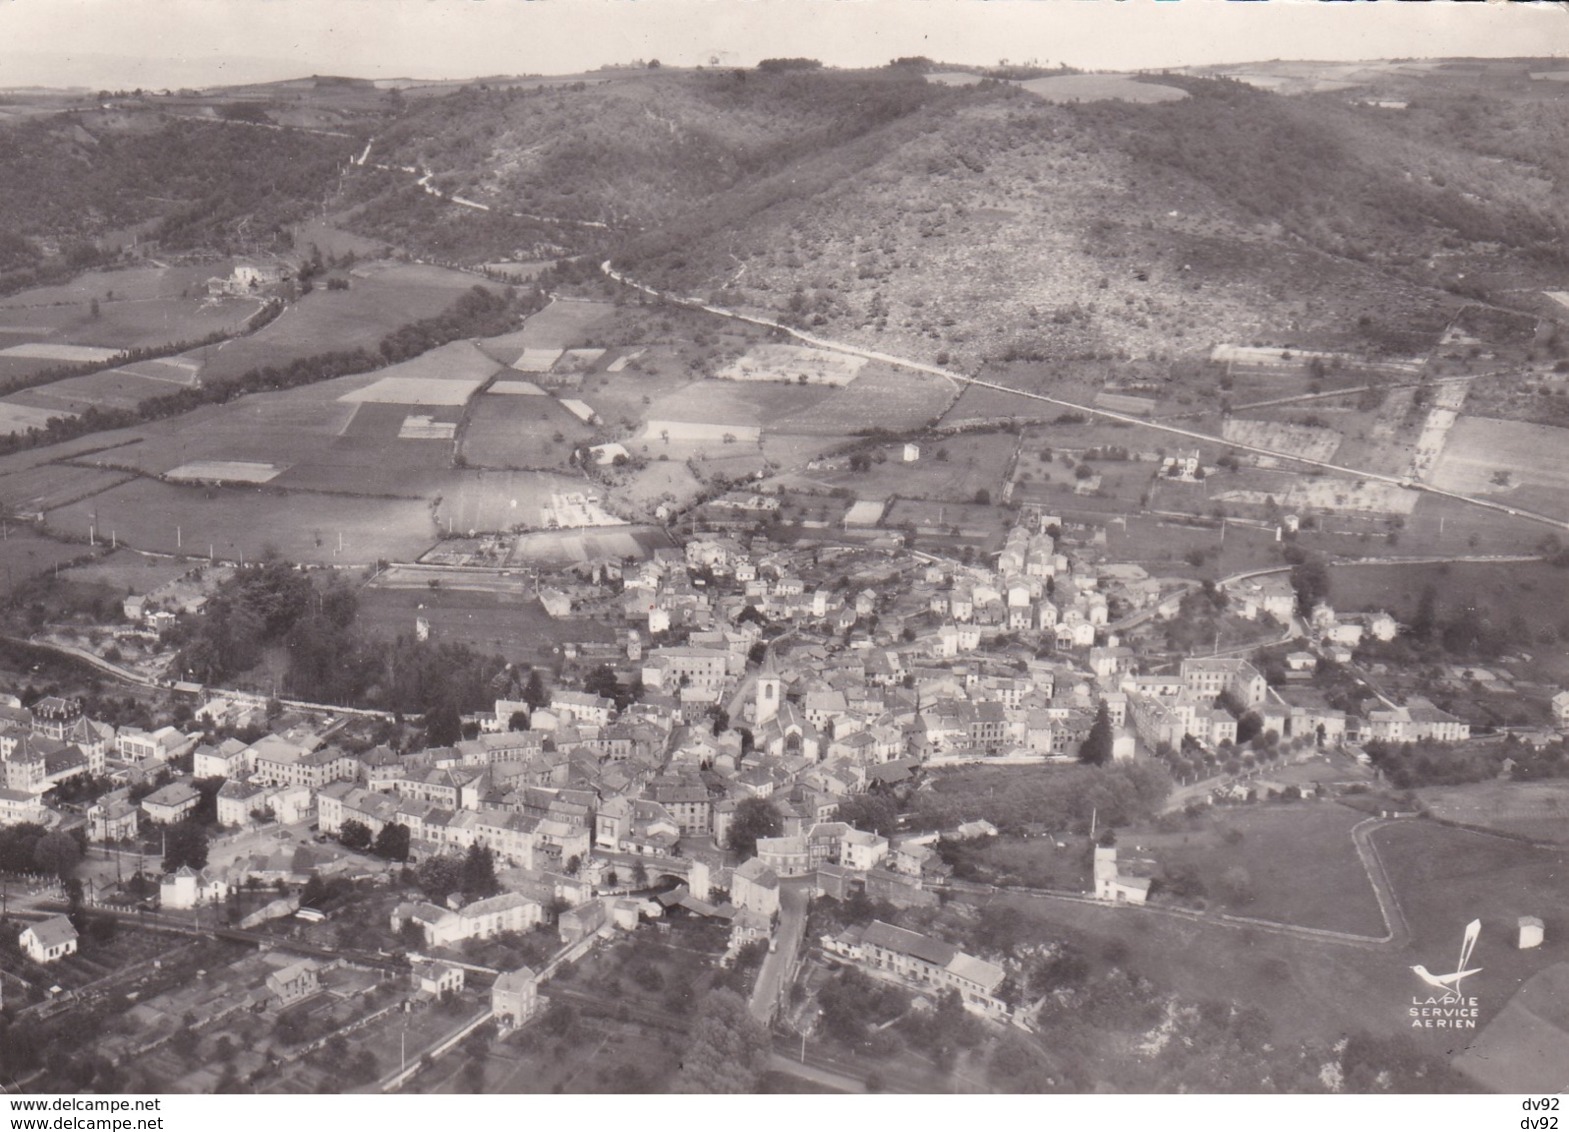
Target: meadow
(247,523)
(882,397)
(381,298)
(1521,464)
(1093,88)
(1537,810)
(1446,877)
(509,431)
(1300,858)
(1503,590)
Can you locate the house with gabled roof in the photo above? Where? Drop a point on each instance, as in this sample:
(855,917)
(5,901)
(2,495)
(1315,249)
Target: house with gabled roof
(49,940)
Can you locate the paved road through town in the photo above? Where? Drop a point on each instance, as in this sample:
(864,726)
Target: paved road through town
(773,980)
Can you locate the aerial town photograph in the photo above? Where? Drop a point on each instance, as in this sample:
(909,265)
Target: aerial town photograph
(757,558)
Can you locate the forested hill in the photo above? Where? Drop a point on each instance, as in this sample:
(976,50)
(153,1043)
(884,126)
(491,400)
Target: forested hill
(68,180)
(850,201)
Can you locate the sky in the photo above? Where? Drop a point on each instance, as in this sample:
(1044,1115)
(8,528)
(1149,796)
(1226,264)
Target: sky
(168,43)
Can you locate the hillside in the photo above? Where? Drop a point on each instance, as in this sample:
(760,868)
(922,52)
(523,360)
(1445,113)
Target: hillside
(74,185)
(983,222)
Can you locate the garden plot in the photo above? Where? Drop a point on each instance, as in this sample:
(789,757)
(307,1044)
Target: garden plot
(801,364)
(1305,441)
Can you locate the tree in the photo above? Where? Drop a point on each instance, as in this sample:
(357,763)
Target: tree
(58,854)
(1236,884)
(754,818)
(479,873)
(1310,579)
(1096,750)
(602,682)
(185,843)
(729,1048)
(873,812)
(534,694)
(392,843)
(439,877)
(443,724)
(354,835)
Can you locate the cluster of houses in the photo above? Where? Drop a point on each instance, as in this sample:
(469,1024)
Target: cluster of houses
(889,662)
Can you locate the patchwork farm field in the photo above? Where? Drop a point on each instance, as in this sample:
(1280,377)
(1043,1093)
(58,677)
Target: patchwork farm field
(484,500)
(508,431)
(753,404)
(381,298)
(245,523)
(564,324)
(881,397)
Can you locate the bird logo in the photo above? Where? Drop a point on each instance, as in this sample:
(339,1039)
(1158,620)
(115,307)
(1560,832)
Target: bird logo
(1450,984)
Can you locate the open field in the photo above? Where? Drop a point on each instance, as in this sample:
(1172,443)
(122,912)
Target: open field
(520,432)
(128,570)
(1445,877)
(25,554)
(513,625)
(953,469)
(1309,990)
(32,491)
(1095,88)
(563,325)
(1538,810)
(881,397)
(483,500)
(144,282)
(550,549)
(244,523)
(1300,858)
(737,403)
(382,297)
(1521,463)
(1501,590)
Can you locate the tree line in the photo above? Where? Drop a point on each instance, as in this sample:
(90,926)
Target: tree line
(479,313)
